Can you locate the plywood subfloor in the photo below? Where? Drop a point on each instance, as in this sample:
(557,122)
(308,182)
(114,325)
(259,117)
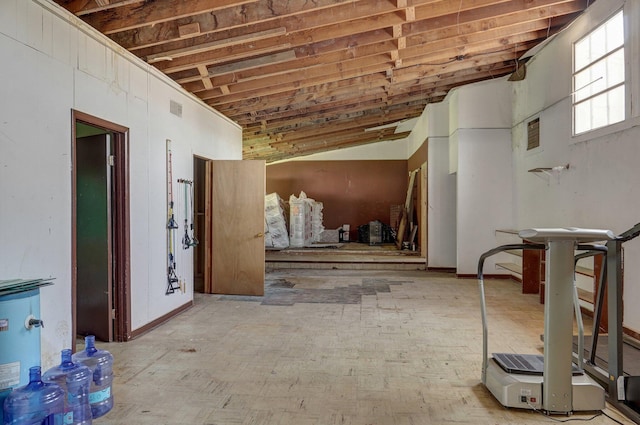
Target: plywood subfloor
(328,347)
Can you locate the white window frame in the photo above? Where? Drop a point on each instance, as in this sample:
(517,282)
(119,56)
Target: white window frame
(588,92)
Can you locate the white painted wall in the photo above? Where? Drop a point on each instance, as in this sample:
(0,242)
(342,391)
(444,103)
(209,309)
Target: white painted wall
(481,132)
(441,205)
(601,187)
(483,195)
(433,125)
(53,64)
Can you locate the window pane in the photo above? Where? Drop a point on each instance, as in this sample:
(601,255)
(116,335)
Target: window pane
(599,86)
(581,53)
(582,117)
(598,76)
(581,85)
(615,32)
(616,105)
(615,68)
(598,44)
(590,81)
(599,112)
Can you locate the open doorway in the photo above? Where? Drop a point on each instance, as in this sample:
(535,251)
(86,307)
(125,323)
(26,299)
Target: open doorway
(199,167)
(100,235)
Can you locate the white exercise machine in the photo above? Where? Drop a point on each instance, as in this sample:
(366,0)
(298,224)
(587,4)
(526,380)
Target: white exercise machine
(549,382)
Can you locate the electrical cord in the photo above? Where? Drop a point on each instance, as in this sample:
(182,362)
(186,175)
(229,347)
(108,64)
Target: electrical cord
(613,419)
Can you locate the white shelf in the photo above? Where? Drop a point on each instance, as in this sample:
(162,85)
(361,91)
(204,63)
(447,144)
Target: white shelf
(516,252)
(512,267)
(508,231)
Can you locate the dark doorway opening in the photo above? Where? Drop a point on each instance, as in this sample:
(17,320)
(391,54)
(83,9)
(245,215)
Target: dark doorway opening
(100,235)
(199,167)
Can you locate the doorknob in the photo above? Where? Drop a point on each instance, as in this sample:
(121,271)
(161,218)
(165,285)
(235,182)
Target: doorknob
(259,235)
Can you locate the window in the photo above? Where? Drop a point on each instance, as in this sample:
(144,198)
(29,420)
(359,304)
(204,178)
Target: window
(599,77)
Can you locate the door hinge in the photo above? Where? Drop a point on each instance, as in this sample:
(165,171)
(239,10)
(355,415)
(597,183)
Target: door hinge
(111,160)
(113,313)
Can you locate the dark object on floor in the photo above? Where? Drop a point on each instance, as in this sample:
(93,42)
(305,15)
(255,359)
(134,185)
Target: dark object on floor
(632,392)
(387,234)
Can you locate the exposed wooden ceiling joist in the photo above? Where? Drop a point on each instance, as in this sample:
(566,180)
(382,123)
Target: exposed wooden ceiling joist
(304,77)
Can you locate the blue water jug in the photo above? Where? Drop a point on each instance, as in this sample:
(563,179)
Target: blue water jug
(36,403)
(75,380)
(100,362)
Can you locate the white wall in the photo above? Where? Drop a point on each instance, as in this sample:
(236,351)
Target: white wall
(441,206)
(433,125)
(483,195)
(53,64)
(488,158)
(469,172)
(480,126)
(601,187)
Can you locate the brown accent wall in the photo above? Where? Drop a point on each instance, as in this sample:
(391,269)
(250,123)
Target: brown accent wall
(352,192)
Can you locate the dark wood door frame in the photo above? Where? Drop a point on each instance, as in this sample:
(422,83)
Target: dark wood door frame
(121,225)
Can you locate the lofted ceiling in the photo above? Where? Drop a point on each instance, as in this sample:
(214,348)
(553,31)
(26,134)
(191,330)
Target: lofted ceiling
(307,76)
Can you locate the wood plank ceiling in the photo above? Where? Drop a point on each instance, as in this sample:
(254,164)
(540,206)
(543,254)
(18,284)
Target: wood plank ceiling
(306,76)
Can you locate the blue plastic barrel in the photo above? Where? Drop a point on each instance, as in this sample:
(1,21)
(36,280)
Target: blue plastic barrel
(36,403)
(19,340)
(100,362)
(75,380)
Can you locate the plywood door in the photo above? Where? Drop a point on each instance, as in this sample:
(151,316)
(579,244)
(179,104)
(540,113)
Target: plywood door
(234,226)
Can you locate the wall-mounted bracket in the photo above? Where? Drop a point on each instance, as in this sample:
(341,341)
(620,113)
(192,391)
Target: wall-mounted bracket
(547,172)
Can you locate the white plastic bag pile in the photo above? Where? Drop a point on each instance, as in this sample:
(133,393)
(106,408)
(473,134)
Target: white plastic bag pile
(275,224)
(305,220)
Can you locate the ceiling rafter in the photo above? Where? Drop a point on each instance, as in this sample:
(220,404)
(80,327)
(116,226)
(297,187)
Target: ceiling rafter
(282,121)
(295,15)
(302,77)
(472,34)
(363,66)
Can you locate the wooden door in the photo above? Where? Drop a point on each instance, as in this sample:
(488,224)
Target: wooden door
(94,248)
(234,227)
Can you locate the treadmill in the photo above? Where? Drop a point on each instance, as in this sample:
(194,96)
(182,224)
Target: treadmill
(617,369)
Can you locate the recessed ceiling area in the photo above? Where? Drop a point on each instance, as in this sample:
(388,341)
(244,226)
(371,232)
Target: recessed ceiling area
(304,77)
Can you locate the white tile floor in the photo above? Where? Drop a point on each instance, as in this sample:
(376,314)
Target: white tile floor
(411,355)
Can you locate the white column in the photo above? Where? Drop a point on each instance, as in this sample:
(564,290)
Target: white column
(558,327)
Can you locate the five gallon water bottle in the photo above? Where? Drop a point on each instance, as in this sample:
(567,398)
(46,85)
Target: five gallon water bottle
(100,362)
(36,403)
(75,379)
